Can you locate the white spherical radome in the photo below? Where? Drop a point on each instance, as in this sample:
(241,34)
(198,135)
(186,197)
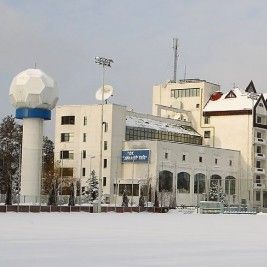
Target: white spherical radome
(33,88)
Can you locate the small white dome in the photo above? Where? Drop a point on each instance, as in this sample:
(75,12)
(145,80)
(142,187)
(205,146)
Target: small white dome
(33,88)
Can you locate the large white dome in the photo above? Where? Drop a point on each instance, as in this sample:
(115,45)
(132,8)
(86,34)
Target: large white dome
(33,88)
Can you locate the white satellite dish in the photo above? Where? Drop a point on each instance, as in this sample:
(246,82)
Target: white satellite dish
(108,91)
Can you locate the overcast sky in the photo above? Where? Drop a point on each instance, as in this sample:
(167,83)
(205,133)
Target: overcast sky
(220,41)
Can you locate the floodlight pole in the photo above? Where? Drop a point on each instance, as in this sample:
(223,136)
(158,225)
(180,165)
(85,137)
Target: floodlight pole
(104,62)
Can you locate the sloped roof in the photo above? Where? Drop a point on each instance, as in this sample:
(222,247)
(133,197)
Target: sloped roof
(133,121)
(242,101)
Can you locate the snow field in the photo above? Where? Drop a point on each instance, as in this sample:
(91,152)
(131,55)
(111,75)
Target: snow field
(132,239)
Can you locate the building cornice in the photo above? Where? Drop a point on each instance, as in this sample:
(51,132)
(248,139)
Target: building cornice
(227,112)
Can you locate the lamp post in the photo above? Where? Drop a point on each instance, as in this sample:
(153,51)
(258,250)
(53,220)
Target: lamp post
(104,63)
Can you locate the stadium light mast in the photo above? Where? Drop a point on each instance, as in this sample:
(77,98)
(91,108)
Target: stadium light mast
(105,94)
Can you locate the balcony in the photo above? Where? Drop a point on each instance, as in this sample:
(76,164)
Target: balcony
(259,171)
(260,156)
(259,186)
(259,141)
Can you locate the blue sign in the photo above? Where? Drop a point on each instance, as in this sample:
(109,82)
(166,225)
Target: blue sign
(138,155)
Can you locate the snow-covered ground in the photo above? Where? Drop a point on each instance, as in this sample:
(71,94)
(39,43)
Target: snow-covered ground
(173,239)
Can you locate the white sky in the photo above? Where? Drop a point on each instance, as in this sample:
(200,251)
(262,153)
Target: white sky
(220,41)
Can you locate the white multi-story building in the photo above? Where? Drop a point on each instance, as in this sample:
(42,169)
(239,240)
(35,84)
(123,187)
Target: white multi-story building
(234,120)
(141,150)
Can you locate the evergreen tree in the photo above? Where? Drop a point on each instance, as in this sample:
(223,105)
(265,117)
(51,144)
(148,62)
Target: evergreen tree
(216,192)
(125,200)
(72,197)
(50,171)
(10,151)
(93,187)
(53,195)
(156,203)
(141,199)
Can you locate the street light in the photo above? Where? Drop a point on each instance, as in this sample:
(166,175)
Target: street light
(104,62)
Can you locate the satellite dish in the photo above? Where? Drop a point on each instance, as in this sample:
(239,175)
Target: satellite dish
(108,91)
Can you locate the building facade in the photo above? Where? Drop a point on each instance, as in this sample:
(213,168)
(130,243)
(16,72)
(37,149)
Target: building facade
(142,151)
(233,120)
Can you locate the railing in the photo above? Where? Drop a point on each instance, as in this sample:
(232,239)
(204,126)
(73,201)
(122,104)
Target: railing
(260,155)
(259,170)
(259,141)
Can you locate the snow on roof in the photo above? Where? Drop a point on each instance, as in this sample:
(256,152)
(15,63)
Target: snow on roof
(133,121)
(242,101)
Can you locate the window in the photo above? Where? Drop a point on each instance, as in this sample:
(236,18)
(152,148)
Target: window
(83,171)
(183,182)
(84,154)
(230,162)
(231,94)
(104,181)
(206,120)
(199,183)
(216,161)
(166,155)
(66,154)
(206,134)
(136,133)
(260,104)
(258,195)
(105,145)
(258,179)
(67,120)
(190,92)
(258,119)
(84,120)
(197,105)
(130,190)
(258,164)
(183,158)
(67,172)
(105,163)
(65,137)
(165,181)
(200,159)
(258,149)
(259,135)
(105,126)
(230,185)
(84,137)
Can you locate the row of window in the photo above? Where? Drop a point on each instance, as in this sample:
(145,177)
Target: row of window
(200,159)
(191,92)
(70,120)
(183,182)
(136,133)
(69,154)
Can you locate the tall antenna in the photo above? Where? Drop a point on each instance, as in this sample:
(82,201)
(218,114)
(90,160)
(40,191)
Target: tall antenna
(175,53)
(184,72)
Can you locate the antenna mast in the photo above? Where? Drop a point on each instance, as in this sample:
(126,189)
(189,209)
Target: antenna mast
(175,53)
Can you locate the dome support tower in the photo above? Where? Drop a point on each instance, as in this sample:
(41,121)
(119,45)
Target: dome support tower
(34,95)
